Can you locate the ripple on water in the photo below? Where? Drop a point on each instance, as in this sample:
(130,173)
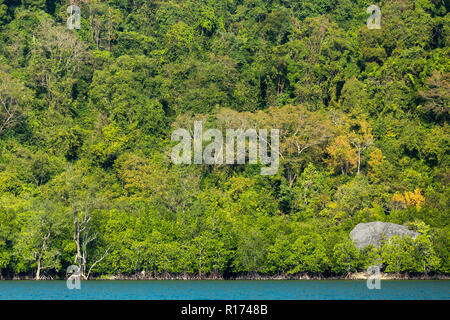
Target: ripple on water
(226,290)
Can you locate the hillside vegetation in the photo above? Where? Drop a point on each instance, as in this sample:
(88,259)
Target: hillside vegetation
(86,117)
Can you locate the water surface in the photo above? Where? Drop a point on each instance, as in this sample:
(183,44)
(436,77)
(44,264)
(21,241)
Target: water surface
(226,290)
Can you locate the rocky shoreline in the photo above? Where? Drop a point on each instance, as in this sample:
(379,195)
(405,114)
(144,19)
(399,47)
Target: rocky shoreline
(350,276)
(249,276)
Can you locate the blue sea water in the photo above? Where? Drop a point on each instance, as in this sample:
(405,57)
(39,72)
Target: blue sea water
(226,290)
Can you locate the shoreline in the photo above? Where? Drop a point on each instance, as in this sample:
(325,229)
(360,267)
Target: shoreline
(246,276)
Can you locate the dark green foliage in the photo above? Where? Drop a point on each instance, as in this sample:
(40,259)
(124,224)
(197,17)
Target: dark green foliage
(86,118)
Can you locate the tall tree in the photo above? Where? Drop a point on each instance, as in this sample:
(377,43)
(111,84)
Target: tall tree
(14,100)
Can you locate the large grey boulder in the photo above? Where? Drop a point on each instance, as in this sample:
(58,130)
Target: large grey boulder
(371,233)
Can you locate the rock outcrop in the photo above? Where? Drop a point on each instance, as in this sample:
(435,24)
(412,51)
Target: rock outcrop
(372,233)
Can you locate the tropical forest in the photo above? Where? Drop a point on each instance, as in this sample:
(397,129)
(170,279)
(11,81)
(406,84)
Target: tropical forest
(90,97)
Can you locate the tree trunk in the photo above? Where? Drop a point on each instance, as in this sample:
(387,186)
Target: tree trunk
(38,271)
(359,159)
(41,254)
(76,238)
